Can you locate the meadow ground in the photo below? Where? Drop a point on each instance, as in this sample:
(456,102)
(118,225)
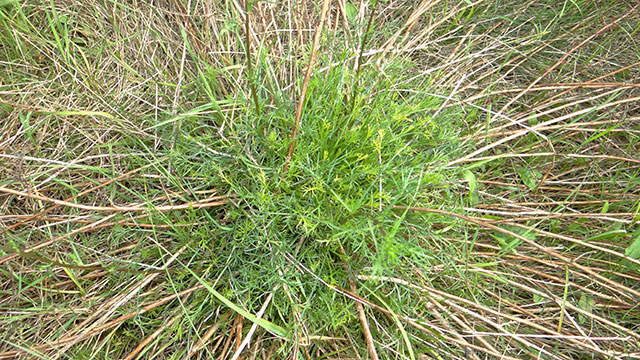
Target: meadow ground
(325,179)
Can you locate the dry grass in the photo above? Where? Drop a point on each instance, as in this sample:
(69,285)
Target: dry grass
(121,125)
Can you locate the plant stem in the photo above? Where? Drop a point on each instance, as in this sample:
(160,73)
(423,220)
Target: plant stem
(359,61)
(247,47)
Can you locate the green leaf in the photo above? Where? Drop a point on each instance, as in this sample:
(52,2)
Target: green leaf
(527,177)
(585,303)
(473,186)
(633,251)
(27,126)
(473,182)
(7,2)
(267,325)
(609,235)
(351,12)
(74,279)
(501,239)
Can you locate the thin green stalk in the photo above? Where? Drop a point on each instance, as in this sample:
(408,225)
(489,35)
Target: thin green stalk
(359,63)
(247,48)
